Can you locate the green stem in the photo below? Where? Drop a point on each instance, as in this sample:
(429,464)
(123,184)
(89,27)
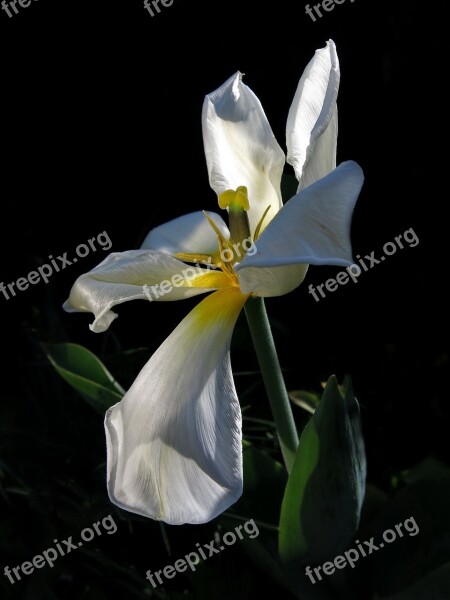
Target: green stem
(258,321)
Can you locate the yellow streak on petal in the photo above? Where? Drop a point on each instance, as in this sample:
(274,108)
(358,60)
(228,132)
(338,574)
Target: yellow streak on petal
(211,279)
(223,306)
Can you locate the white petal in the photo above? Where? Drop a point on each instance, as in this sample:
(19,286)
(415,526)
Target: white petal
(137,275)
(271,281)
(174,440)
(312,228)
(189,234)
(311,131)
(323,157)
(241,149)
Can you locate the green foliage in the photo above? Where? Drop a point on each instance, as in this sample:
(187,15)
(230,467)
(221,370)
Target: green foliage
(86,374)
(322,503)
(306,517)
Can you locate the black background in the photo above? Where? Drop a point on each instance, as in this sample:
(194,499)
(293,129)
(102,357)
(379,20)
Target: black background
(100,131)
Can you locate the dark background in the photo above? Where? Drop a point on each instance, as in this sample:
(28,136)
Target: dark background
(101,131)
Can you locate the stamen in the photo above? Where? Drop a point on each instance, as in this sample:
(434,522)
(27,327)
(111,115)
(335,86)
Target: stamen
(237,203)
(198,258)
(258,227)
(235,200)
(223,243)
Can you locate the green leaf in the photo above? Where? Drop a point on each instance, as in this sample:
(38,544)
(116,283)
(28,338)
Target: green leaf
(86,374)
(322,502)
(264,484)
(306,400)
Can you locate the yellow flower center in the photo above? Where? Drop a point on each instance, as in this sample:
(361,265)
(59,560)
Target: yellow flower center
(241,241)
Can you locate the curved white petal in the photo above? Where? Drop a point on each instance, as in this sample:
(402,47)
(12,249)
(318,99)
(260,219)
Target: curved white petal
(312,228)
(311,131)
(241,149)
(188,234)
(174,440)
(137,275)
(271,281)
(323,157)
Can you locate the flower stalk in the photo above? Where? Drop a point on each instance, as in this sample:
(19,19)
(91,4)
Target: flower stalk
(259,325)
